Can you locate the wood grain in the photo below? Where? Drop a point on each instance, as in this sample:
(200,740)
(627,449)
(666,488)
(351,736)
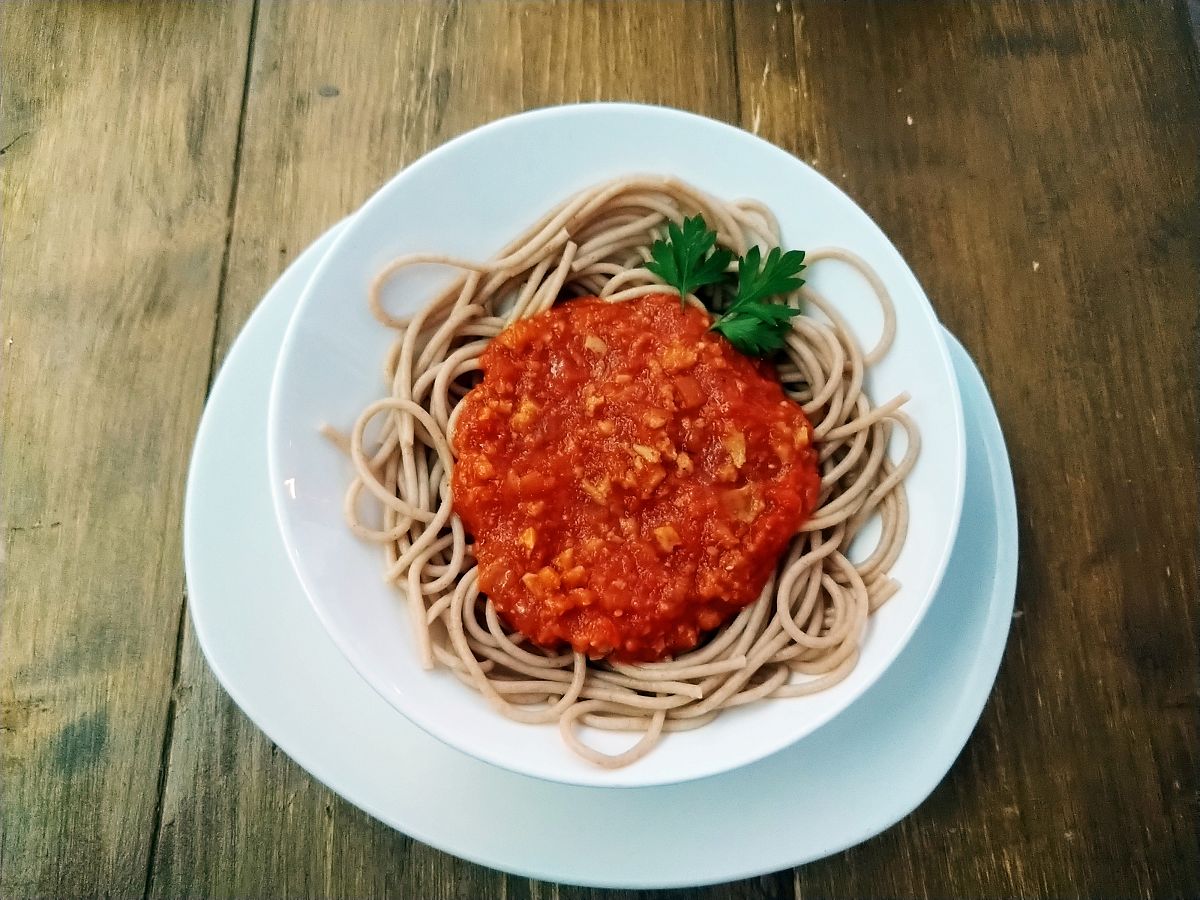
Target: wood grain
(1037,167)
(322,131)
(119,136)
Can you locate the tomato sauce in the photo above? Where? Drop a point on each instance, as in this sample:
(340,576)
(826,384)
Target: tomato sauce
(630,480)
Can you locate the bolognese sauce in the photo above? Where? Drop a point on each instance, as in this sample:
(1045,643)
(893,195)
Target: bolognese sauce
(629,479)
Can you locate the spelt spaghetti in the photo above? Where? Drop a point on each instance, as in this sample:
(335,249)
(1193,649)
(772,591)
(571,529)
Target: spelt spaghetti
(802,635)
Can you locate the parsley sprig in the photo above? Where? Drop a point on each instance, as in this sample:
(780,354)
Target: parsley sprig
(689,258)
(755,322)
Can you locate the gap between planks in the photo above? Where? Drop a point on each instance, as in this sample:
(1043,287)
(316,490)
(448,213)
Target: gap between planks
(164,763)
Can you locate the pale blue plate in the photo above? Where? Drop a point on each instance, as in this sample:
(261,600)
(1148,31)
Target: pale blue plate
(851,779)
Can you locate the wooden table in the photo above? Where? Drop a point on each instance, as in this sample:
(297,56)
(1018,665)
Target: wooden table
(1037,166)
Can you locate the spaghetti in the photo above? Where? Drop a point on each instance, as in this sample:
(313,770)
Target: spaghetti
(800,636)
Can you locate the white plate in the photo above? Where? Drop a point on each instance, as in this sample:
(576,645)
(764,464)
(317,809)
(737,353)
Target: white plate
(467,198)
(853,778)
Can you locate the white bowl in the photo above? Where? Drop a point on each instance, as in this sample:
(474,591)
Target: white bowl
(469,197)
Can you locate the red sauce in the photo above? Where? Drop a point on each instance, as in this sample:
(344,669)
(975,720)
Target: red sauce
(629,478)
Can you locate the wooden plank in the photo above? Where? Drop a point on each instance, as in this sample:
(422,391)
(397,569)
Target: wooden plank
(119,124)
(342,96)
(379,86)
(1036,164)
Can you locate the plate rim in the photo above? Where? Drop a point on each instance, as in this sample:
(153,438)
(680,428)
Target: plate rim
(981,678)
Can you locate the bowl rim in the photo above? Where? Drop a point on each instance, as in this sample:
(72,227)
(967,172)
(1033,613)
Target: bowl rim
(432,724)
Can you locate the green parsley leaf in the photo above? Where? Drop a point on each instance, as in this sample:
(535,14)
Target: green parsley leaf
(752,321)
(752,325)
(775,313)
(689,258)
(777,275)
(749,334)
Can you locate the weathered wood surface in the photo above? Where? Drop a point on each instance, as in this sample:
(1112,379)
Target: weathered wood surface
(121,125)
(1036,164)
